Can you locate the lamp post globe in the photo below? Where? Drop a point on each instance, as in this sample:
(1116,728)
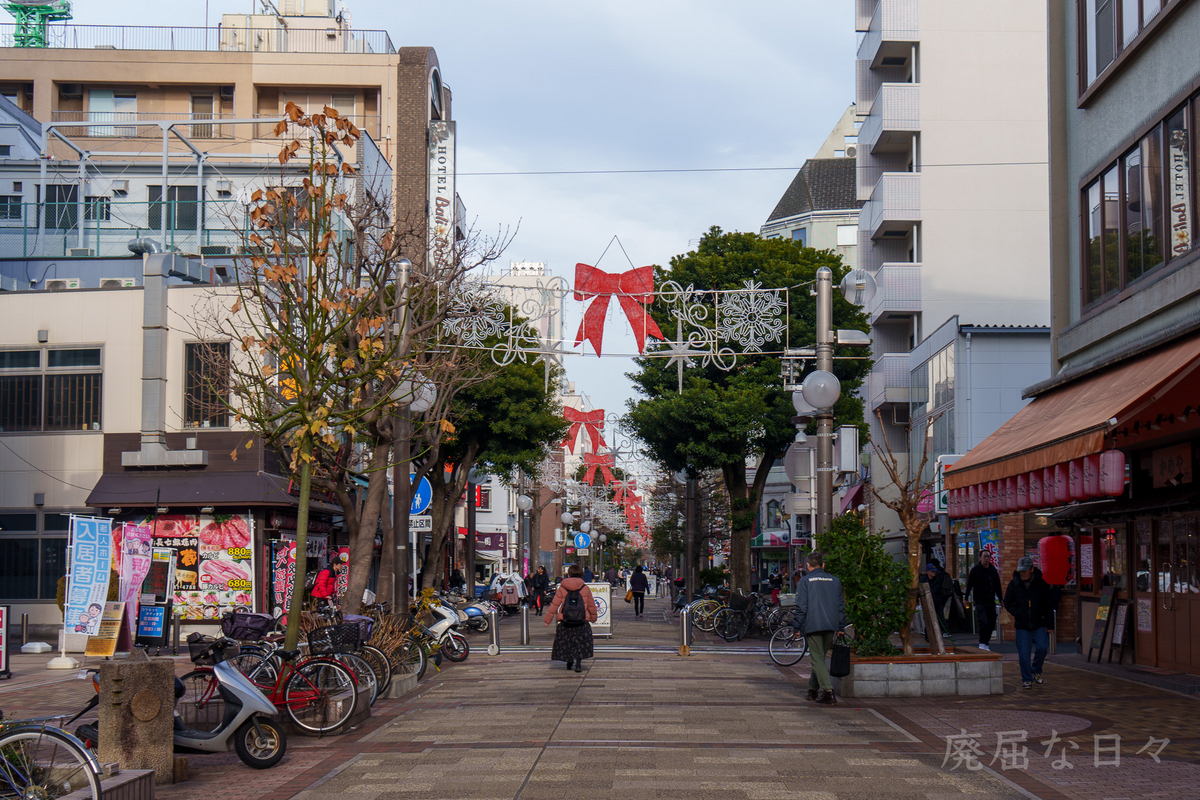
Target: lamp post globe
(585,526)
(821,389)
(567,518)
(524,503)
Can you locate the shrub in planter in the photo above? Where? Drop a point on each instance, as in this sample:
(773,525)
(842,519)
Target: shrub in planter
(713,576)
(876,585)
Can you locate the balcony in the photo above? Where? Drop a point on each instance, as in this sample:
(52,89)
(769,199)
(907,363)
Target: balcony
(367,123)
(898,292)
(895,116)
(889,381)
(895,205)
(890,34)
(139,125)
(218,39)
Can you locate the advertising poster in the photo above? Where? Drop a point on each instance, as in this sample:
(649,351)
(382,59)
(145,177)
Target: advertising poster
(90,554)
(989,542)
(108,630)
(341,570)
(152,621)
(283,574)
(602,594)
(214,570)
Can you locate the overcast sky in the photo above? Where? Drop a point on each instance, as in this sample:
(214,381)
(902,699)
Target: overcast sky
(610,85)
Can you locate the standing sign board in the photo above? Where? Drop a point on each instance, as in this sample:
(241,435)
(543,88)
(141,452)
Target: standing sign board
(602,594)
(108,630)
(4,671)
(1100,628)
(153,623)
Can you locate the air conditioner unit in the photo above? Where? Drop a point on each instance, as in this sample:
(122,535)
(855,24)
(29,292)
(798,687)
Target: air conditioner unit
(117,283)
(227,94)
(215,250)
(223,185)
(70,91)
(120,186)
(80,252)
(851,151)
(62,284)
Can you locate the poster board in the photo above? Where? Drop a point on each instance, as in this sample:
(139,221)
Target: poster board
(1101,625)
(104,642)
(214,568)
(1122,631)
(154,624)
(602,595)
(4,670)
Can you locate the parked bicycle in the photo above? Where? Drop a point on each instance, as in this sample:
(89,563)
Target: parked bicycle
(787,646)
(41,762)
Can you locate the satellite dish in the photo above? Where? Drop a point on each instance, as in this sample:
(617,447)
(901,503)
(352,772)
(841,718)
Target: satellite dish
(859,287)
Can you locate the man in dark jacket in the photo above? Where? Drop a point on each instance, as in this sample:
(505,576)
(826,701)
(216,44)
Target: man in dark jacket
(984,589)
(942,589)
(1031,602)
(820,611)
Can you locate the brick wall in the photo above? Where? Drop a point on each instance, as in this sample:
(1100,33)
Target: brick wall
(1012,547)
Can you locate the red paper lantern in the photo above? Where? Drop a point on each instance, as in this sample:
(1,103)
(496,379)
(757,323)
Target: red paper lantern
(993,497)
(1010,494)
(1035,489)
(1112,473)
(1062,484)
(973,500)
(1075,479)
(1023,491)
(1091,476)
(1055,552)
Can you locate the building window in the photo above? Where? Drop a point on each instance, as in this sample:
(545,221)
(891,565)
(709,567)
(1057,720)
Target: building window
(483,498)
(10,206)
(1110,26)
(5,150)
(847,235)
(62,206)
(31,561)
(183,209)
(931,394)
(1139,214)
(800,235)
(774,515)
(206,385)
(63,396)
(97,208)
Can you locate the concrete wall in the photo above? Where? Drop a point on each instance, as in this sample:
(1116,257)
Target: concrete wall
(991,376)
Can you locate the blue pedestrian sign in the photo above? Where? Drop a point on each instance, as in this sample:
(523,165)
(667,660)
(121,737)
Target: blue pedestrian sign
(582,540)
(422,496)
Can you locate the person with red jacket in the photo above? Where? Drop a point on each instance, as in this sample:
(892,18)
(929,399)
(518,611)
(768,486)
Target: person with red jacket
(573,637)
(325,586)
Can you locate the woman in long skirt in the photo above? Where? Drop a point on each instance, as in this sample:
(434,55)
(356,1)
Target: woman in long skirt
(572,637)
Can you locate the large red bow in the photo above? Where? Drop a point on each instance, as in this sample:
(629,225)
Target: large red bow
(592,422)
(633,289)
(597,460)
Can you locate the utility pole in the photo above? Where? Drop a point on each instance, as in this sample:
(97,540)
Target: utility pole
(689,543)
(824,351)
(401,499)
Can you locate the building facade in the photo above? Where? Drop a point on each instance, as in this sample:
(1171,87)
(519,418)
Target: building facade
(1105,453)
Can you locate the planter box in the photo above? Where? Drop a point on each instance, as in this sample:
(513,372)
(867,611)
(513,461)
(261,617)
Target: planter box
(400,685)
(956,674)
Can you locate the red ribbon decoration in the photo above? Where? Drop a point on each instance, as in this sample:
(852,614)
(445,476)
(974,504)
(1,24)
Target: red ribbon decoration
(603,461)
(634,289)
(592,422)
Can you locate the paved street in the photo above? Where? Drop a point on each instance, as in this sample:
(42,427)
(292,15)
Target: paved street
(724,722)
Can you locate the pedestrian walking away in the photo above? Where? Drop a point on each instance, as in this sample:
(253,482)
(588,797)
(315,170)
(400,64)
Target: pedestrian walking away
(1031,601)
(941,589)
(610,575)
(540,585)
(587,574)
(638,584)
(984,589)
(575,609)
(820,613)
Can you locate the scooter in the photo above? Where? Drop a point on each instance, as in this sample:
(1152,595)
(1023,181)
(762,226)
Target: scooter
(476,616)
(445,631)
(258,741)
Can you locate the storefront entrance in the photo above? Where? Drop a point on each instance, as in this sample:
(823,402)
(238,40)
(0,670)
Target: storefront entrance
(1176,595)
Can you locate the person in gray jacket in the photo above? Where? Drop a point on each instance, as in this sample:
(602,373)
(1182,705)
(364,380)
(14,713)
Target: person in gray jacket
(820,612)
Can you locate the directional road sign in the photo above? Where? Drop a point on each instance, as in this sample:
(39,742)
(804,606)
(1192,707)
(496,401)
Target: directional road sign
(422,496)
(582,540)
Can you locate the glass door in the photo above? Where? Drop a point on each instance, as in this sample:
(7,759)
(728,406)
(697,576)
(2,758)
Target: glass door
(1164,596)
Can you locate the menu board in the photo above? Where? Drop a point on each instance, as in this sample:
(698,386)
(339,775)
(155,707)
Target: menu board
(104,641)
(214,569)
(1103,615)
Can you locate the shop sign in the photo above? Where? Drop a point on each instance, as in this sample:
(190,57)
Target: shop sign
(1145,615)
(90,554)
(441,194)
(1179,181)
(1172,465)
(341,570)
(214,560)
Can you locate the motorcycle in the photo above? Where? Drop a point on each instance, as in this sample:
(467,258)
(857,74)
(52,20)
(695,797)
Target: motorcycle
(445,631)
(259,741)
(476,615)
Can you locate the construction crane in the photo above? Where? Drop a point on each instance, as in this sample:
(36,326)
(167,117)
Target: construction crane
(33,20)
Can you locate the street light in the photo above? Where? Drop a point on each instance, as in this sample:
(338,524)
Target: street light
(603,539)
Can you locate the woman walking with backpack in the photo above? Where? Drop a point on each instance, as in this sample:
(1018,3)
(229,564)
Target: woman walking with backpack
(573,607)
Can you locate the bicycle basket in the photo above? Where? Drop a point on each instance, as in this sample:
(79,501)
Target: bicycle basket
(332,639)
(739,602)
(207,651)
(365,625)
(246,626)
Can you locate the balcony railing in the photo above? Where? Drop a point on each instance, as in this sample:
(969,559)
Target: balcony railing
(895,115)
(368,123)
(889,381)
(136,124)
(895,203)
(891,21)
(218,39)
(899,290)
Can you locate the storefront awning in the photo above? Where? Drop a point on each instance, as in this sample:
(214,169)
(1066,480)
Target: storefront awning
(1070,422)
(196,488)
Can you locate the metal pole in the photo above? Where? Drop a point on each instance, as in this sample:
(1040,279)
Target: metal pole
(824,350)
(494,632)
(685,629)
(689,544)
(24,630)
(524,624)
(401,488)
(175,637)
(471,489)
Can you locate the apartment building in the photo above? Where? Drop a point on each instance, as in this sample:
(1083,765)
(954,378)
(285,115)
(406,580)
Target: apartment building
(951,169)
(118,132)
(1104,455)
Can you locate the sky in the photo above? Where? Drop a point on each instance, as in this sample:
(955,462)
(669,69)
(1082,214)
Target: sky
(609,85)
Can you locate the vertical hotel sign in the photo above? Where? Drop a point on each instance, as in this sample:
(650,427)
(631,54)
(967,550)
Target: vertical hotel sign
(1179,183)
(441,194)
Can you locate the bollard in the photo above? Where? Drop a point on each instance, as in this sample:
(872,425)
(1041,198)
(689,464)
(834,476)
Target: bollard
(24,629)
(494,632)
(175,646)
(524,624)
(1054,635)
(685,631)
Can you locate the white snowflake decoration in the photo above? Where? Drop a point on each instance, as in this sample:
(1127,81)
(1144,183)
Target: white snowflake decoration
(751,317)
(474,316)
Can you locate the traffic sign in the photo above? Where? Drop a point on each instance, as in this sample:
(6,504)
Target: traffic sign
(422,496)
(582,540)
(420,522)
(583,551)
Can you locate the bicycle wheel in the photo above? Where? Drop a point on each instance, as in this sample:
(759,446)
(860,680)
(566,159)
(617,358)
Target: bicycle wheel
(702,614)
(320,695)
(379,663)
(201,708)
(787,646)
(408,658)
(256,666)
(364,675)
(729,624)
(37,762)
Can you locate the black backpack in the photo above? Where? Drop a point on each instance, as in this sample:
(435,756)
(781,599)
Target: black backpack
(573,610)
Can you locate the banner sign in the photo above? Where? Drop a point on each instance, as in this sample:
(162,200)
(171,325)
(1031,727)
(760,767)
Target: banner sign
(283,574)
(90,554)
(441,195)
(602,594)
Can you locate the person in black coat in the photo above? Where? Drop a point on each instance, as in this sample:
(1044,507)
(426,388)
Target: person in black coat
(984,589)
(539,584)
(638,584)
(942,590)
(1031,601)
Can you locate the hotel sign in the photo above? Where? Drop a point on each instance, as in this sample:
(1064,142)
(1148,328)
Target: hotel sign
(1178,180)
(441,195)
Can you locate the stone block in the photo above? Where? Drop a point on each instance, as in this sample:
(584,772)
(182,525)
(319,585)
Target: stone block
(974,686)
(940,671)
(869,672)
(998,685)
(400,685)
(904,688)
(904,672)
(137,703)
(978,669)
(858,688)
(939,687)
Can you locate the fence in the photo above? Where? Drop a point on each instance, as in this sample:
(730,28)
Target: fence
(228,38)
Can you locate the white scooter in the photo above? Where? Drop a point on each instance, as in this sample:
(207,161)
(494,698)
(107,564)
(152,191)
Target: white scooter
(445,631)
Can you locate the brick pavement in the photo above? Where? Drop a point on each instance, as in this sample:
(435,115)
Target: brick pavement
(725,722)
